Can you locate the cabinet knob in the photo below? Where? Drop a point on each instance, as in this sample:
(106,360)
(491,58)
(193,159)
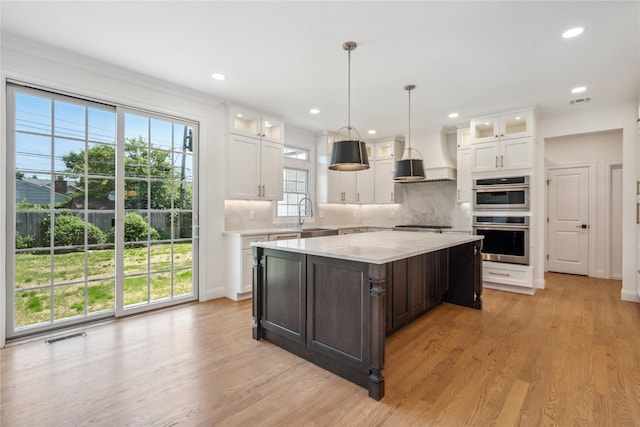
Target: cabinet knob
(496,161)
(501,161)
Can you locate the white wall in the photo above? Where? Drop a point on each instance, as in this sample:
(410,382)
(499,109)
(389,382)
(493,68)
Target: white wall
(62,71)
(591,119)
(598,150)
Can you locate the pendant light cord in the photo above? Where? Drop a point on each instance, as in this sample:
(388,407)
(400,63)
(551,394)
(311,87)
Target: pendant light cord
(349,95)
(409,122)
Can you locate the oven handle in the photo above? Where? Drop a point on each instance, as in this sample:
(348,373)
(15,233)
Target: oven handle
(505,227)
(491,189)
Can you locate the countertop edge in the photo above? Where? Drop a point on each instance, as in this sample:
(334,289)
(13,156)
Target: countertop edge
(347,242)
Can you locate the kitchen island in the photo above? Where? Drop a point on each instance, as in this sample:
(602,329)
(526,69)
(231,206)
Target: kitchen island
(333,300)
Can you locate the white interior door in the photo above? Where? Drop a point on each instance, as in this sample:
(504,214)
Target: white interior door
(569,220)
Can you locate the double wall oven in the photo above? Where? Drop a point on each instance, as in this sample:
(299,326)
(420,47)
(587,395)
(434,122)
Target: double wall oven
(501,215)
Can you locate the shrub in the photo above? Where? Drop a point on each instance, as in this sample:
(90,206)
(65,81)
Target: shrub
(135,230)
(25,242)
(69,231)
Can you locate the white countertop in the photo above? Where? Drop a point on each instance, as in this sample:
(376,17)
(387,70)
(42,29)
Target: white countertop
(373,248)
(257,231)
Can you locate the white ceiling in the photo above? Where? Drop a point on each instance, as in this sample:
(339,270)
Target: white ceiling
(474,58)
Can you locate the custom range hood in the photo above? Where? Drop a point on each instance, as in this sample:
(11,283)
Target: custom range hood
(433,147)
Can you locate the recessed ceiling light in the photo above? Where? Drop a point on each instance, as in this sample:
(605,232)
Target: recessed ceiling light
(518,117)
(453,115)
(572,32)
(218,76)
(578,89)
(239,115)
(371,131)
(314,111)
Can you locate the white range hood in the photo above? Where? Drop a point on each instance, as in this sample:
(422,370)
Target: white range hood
(438,165)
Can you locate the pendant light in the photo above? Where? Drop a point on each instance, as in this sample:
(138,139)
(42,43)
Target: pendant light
(349,154)
(409,169)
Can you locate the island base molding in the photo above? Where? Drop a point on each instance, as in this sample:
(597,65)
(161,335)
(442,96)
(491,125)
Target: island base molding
(335,313)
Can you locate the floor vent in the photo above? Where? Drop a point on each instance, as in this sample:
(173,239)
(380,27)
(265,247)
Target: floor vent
(65,337)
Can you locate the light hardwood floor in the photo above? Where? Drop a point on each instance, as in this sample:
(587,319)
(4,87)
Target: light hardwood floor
(568,356)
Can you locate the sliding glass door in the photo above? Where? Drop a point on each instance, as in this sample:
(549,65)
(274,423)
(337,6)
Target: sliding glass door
(102,200)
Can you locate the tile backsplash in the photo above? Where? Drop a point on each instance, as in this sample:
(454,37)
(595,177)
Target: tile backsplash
(431,203)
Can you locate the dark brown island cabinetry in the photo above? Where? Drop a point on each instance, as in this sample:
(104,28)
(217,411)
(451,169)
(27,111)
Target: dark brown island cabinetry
(336,313)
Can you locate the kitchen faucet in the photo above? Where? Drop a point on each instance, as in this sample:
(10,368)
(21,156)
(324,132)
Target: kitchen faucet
(310,204)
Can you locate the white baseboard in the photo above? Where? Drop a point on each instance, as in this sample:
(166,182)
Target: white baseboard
(629,296)
(213,293)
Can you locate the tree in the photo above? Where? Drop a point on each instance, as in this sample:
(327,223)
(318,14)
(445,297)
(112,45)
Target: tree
(140,162)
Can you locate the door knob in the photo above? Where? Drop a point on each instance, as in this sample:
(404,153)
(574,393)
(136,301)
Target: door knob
(583,226)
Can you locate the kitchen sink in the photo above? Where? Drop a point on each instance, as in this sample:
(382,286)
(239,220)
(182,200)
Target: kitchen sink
(317,232)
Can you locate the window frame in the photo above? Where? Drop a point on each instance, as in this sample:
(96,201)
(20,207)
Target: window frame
(307,165)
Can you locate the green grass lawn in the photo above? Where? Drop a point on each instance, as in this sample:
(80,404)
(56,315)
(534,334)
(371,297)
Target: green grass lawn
(146,278)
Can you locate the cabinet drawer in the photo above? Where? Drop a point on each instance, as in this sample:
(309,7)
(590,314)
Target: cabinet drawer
(507,274)
(247,240)
(284,236)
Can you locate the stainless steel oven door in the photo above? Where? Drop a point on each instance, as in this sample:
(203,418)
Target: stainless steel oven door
(501,198)
(504,243)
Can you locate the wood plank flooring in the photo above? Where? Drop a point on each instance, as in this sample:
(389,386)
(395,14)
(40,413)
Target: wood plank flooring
(568,356)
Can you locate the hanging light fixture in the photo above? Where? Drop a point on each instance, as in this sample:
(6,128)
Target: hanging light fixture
(349,154)
(409,169)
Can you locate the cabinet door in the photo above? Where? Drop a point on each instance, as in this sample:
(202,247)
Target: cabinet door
(365,181)
(464,175)
(384,181)
(437,277)
(272,170)
(349,186)
(243,171)
(516,125)
(334,192)
(485,129)
(485,157)
(400,306)
(516,153)
(417,285)
(247,271)
(463,137)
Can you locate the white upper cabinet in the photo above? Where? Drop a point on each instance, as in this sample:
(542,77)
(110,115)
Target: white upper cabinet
(365,183)
(247,122)
(255,169)
(502,155)
(463,138)
(517,124)
(341,187)
(384,181)
(384,150)
(255,155)
(463,181)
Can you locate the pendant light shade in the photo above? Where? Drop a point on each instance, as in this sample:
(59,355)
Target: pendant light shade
(408,168)
(349,154)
